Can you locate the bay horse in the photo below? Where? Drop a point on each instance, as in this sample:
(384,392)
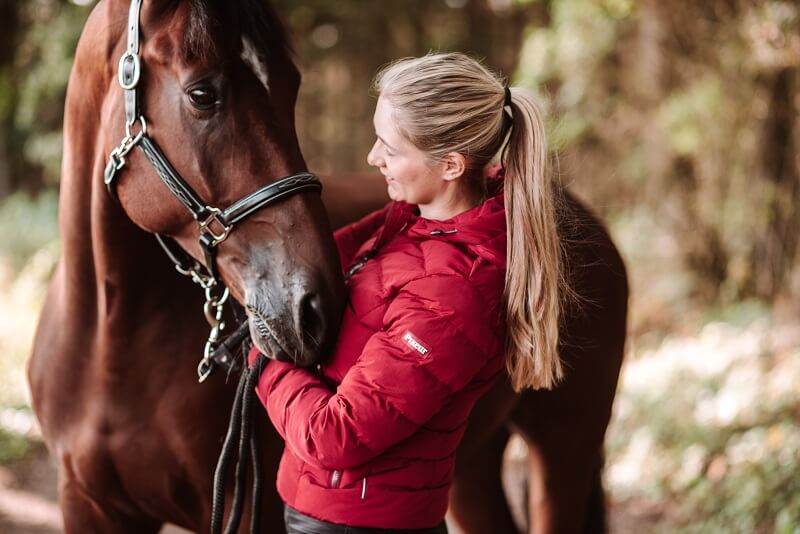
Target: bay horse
(203,101)
(134,436)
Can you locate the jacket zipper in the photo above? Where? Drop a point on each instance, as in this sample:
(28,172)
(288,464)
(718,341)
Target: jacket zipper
(444,232)
(360,263)
(336,478)
(371,253)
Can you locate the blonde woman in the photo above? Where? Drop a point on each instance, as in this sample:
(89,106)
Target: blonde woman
(457,279)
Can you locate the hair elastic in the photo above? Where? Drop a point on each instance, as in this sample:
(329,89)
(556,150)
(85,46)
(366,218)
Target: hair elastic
(509,119)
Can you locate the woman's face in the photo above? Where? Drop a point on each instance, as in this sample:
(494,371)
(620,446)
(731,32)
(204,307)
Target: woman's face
(410,177)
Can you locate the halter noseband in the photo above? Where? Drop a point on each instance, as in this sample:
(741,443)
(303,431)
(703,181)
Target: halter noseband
(215,224)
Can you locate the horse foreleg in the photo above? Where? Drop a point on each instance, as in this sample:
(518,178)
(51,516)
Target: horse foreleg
(565,493)
(564,429)
(477,501)
(84,515)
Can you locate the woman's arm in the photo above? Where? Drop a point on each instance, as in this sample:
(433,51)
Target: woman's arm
(437,337)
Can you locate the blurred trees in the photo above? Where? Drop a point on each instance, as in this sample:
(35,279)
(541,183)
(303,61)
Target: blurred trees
(689,109)
(8,38)
(341,45)
(37,43)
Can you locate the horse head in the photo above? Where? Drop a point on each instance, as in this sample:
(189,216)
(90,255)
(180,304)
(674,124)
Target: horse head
(209,95)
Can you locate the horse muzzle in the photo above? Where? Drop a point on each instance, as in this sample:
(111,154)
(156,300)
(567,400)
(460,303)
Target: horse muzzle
(294,329)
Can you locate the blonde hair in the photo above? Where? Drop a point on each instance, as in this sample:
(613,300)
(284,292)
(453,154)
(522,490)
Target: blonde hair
(449,102)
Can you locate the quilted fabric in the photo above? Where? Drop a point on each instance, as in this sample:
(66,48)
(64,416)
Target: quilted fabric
(371,435)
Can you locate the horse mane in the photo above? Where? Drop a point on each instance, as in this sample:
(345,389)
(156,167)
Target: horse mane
(255,19)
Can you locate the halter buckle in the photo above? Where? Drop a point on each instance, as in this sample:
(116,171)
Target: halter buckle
(206,228)
(129,79)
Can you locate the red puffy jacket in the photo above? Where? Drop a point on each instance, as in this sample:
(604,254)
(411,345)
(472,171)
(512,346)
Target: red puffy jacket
(371,441)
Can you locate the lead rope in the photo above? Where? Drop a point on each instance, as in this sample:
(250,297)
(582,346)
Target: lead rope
(234,426)
(240,429)
(258,483)
(237,506)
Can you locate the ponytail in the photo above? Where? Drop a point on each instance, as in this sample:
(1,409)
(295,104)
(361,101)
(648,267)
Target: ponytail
(451,103)
(535,282)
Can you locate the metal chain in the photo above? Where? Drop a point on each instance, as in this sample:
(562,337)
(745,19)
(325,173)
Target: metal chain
(117,155)
(213,309)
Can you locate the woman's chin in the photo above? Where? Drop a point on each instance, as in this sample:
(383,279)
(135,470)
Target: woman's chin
(393,193)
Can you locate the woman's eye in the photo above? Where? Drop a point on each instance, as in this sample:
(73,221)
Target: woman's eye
(203,97)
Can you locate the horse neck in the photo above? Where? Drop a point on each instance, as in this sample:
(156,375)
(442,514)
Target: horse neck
(106,259)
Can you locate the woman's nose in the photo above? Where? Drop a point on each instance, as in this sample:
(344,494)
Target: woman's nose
(372,155)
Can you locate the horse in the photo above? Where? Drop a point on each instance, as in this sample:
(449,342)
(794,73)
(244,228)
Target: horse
(190,136)
(134,436)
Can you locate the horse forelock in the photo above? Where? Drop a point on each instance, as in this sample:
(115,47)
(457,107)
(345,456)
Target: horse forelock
(197,40)
(253,21)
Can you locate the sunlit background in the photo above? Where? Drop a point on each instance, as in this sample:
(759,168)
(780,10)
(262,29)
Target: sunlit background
(676,121)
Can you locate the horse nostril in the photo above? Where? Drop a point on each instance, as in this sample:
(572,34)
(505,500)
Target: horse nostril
(312,319)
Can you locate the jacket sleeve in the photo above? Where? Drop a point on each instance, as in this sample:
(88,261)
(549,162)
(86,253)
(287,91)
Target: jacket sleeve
(437,336)
(350,238)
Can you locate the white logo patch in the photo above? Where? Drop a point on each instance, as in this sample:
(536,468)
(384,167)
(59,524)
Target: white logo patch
(415,343)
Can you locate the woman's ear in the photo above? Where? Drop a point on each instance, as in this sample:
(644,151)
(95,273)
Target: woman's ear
(455,165)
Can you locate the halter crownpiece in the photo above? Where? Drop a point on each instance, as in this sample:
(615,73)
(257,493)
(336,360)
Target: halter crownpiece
(214,224)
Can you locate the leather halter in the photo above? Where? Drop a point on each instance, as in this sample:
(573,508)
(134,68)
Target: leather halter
(215,224)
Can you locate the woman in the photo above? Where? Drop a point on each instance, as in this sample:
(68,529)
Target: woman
(433,313)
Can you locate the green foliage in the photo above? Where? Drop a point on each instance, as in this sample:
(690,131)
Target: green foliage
(7,90)
(707,424)
(43,63)
(761,493)
(28,223)
(12,446)
(562,52)
(686,115)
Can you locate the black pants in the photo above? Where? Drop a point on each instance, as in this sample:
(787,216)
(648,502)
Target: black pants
(300,523)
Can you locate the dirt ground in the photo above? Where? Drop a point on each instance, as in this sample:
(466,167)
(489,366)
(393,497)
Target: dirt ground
(28,501)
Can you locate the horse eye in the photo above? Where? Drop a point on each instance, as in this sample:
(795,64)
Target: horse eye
(203,97)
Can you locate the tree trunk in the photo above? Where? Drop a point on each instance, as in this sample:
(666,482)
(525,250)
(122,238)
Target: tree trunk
(773,255)
(9,29)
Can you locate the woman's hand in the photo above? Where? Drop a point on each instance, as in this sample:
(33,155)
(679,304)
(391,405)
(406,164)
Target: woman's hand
(253,356)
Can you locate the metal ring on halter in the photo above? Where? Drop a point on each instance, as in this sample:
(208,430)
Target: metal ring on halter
(142,129)
(203,280)
(135,74)
(221,300)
